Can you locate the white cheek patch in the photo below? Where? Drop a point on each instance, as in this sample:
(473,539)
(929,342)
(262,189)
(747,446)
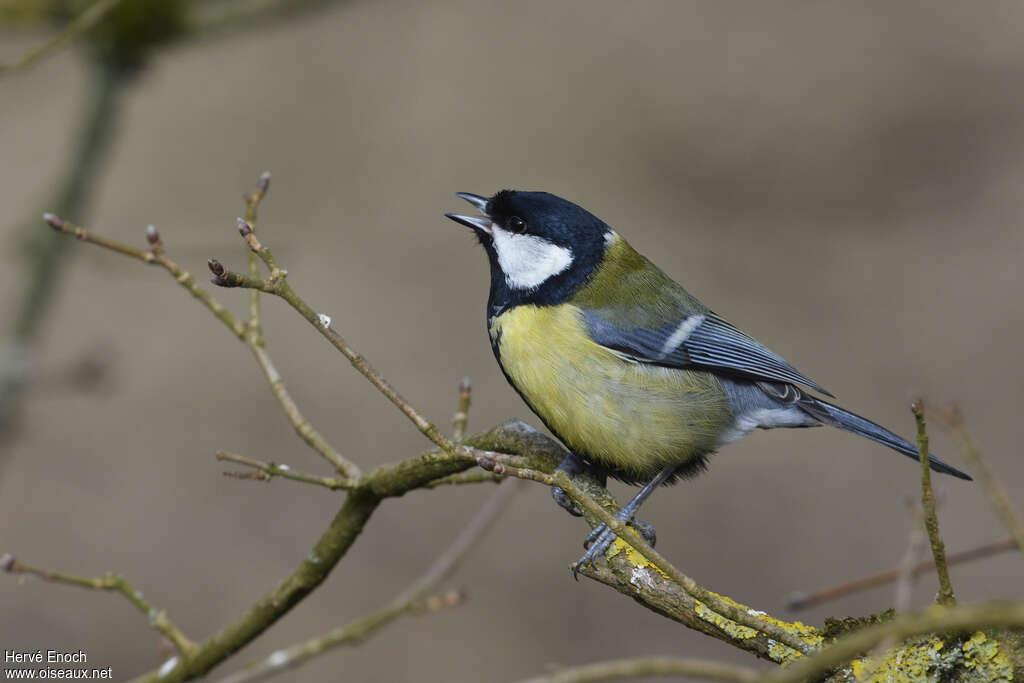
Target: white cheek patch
(528,260)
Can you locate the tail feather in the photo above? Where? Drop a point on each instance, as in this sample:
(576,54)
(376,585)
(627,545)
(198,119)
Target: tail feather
(843,419)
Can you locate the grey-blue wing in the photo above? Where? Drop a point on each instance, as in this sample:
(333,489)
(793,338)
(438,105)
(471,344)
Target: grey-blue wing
(699,339)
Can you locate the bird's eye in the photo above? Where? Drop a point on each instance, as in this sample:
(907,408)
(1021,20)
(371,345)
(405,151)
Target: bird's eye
(516,224)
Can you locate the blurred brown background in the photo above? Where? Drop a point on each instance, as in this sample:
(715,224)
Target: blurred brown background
(841,180)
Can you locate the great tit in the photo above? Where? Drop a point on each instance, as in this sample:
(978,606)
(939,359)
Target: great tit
(636,376)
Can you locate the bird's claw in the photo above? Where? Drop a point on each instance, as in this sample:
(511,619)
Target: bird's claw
(565,502)
(601,537)
(643,528)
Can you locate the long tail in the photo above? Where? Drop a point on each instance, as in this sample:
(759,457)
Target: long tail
(843,419)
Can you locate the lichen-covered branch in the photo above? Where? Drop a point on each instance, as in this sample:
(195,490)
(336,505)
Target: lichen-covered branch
(710,601)
(978,653)
(158,619)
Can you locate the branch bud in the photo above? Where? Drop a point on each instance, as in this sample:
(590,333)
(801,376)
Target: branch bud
(917,407)
(244,229)
(152,236)
(54,221)
(264,183)
(217,268)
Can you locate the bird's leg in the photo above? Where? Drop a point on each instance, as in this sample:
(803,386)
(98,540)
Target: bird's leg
(601,537)
(572,466)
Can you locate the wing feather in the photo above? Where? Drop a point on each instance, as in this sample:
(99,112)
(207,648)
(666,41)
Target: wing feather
(703,340)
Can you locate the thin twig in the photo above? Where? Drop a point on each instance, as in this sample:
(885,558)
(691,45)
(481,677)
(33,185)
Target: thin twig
(155,255)
(410,600)
(265,471)
(391,480)
(252,205)
(352,633)
(277,284)
(651,666)
(461,417)
(801,601)
(626,533)
(931,520)
(954,420)
(72,30)
(303,427)
(158,619)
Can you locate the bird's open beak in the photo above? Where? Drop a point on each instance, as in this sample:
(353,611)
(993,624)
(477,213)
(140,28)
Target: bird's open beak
(481,224)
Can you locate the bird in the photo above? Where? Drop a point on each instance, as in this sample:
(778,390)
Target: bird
(632,373)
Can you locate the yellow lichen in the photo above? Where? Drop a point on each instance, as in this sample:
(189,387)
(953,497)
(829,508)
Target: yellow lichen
(977,660)
(983,658)
(917,661)
(777,651)
(633,556)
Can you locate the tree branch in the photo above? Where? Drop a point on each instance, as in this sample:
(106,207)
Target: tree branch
(303,427)
(265,471)
(962,619)
(156,255)
(412,599)
(627,537)
(252,204)
(360,503)
(158,619)
(277,284)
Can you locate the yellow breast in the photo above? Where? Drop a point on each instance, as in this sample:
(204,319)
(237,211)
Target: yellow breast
(628,416)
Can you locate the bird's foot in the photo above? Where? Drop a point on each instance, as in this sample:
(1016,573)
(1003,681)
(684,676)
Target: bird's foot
(572,466)
(601,537)
(565,502)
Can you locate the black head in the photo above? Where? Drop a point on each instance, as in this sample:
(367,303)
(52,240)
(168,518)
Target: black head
(542,248)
